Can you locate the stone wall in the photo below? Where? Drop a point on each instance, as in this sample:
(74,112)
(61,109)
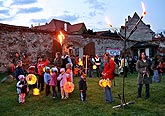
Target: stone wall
(23,40)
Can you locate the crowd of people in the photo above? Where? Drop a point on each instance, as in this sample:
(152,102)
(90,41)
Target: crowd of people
(65,67)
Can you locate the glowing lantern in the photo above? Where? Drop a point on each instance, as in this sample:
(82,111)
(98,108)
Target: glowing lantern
(105,82)
(31,79)
(94,67)
(80,63)
(36,91)
(68,87)
(109,84)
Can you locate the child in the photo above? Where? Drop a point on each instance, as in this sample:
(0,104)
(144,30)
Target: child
(53,81)
(83,87)
(22,89)
(63,79)
(47,80)
(69,72)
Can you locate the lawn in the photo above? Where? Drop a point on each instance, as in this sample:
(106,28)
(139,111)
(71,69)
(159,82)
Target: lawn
(94,106)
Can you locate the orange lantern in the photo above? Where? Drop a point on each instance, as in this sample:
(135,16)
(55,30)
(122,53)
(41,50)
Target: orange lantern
(105,82)
(109,83)
(36,91)
(68,87)
(100,83)
(31,79)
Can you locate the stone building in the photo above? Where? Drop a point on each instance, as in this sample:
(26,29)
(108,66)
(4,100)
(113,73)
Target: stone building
(44,39)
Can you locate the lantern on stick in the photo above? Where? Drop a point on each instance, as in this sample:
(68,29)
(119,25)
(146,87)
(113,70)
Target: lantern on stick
(36,91)
(31,79)
(68,87)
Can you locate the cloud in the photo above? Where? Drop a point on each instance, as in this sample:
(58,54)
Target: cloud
(22,2)
(4,12)
(69,18)
(39,20)
(30,10)
(95,4)
(7,19)
(92,14)
(1,3)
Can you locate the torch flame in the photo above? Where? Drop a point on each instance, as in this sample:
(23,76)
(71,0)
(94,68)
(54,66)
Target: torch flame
(61,37)
(144,9)
(108,22)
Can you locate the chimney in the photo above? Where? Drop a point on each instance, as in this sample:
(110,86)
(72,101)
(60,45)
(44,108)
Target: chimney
(129,18)
(65,26)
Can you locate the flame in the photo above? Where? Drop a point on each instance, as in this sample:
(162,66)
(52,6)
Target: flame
(144,9)
(108,22)
(61,37)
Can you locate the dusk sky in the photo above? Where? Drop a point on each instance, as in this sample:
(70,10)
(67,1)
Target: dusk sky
(91,12)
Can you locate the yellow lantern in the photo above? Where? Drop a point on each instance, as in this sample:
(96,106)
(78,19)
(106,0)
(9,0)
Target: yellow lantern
(36,91)
(104,83)
(100,83)
(31,79)
(109,83)
(68,87)
(94,67)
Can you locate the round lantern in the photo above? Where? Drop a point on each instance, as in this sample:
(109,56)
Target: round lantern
(68,87)
(94,67)
(36,91)
(104,83)
(31,79)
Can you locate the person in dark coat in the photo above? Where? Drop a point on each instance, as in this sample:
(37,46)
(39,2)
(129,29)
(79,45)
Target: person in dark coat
(142,67)
(83,87)
(19,70)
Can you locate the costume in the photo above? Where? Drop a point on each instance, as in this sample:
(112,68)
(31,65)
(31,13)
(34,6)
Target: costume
(63,79)
(82,89)
(22,89)
(47,80)
(108,71)
(53,81)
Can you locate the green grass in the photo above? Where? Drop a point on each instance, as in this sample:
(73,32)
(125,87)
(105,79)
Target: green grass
(94,106)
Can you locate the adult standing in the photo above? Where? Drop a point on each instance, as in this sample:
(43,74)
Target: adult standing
(19,70)
(109,67)
(142,67)
(97,63)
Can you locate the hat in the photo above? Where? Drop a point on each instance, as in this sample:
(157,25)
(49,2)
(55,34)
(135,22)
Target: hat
(68,65)
(62,69)
(47,68)
(21,76)
(54,69)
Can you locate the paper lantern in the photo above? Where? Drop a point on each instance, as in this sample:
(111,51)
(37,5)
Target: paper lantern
(105,82)
(109,83)
(36,91)
(100,83)
(68,87)
(94,67)
(31,79)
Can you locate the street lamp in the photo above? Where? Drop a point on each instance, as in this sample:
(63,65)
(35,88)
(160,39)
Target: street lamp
(125,38)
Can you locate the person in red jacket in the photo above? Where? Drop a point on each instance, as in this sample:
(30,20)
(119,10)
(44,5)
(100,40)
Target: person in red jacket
(108,73)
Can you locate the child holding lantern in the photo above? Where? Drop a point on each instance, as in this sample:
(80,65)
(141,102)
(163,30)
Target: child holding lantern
(47,80)
(63,79)
(53,81)
(83,87)
(22,88)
